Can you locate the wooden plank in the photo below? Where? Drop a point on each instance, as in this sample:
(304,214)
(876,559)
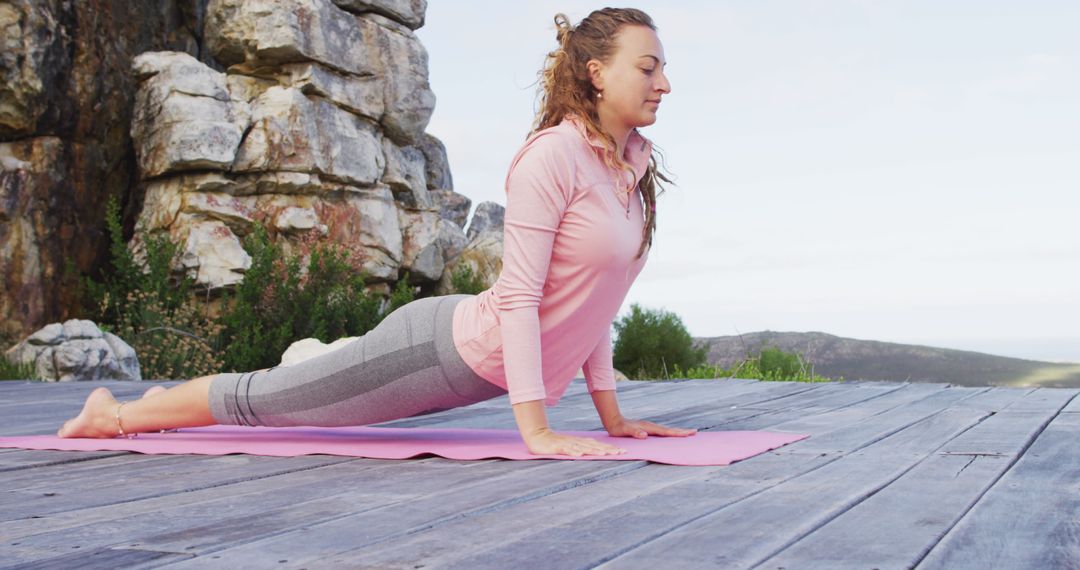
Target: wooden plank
(1028,518)
(619,515)
(102,558)
(222,514)
(331,536)
(241,517)
(684,499)
(896,526)
(47,490)
(1074,405)
(783,398)
(18,459)
(875,427)
(468,465)
(860,410)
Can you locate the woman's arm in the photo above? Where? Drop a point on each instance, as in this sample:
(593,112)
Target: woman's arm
(608,407)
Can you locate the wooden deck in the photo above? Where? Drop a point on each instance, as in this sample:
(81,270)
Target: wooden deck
(894,475)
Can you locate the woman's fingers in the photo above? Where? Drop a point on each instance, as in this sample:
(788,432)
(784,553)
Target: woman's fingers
(657,429)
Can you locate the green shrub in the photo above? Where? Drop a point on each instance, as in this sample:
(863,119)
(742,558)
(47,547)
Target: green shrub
(277,303)
(109,302)
(770,364)
(171,343)
(650,344)
(465,280)
(14,371)
(401,295)
(151,308)
(280,300)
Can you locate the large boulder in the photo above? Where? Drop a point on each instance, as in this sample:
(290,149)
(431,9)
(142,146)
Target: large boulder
(405,175)
(403,65)
(76,350)
(408,12)
(452,206)
(269,32)
(184,118)
(437,165)
(487,218)
(422,250)
(291,132)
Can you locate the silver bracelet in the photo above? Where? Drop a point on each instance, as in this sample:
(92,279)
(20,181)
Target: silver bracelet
(120,426)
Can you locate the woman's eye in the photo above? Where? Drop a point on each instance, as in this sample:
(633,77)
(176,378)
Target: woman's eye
(647,71)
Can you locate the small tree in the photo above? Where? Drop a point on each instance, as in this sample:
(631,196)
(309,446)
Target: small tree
(650,344)
(465,280)
(277,303)
(151,307)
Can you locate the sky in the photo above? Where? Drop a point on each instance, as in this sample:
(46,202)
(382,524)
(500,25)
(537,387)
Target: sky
(901,171)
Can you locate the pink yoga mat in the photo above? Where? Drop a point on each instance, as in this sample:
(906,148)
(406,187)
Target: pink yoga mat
(702,448)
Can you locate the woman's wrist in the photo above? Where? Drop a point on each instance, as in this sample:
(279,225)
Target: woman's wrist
(531,419)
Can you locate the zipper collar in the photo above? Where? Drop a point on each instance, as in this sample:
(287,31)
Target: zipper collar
(637,152)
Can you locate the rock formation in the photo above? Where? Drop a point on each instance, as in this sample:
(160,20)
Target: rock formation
(302,115)
(76,350)
(66,95)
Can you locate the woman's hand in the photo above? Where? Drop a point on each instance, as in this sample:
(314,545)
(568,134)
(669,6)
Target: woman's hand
(642,429)
(548,442)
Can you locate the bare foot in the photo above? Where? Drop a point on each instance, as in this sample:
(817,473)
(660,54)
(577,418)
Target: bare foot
(152,391)
(97,418)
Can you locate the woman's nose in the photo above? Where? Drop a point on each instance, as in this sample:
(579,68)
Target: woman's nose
(664,86)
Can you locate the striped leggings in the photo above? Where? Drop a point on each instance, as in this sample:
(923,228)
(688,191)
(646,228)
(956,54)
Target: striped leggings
(406,366)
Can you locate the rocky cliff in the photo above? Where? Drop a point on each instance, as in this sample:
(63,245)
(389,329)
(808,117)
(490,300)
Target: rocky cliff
(206,117)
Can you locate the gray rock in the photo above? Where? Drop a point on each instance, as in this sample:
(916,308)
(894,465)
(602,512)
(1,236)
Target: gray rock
(487,218)
(380,233)
(408,12)
(422,253)
(437,166)
(359,95)
(271,32)
(51,333)
(403,65)
(80,329)
(26,39)
(183,116)
(293,219)
(232,212)
(483,255)
(452,206)
(405,175)
(212,254)
(452,239)
(293,133)
(76,350)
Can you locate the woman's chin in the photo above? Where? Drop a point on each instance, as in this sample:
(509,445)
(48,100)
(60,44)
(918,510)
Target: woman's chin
(647,119)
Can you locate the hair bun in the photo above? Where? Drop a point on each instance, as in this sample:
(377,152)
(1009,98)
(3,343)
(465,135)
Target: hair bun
(562,28)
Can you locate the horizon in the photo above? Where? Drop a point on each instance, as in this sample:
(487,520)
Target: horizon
(902,172)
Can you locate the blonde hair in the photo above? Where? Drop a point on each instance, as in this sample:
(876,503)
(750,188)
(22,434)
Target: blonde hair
(566,88)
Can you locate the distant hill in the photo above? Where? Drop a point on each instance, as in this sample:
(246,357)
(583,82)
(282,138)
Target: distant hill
(855,359)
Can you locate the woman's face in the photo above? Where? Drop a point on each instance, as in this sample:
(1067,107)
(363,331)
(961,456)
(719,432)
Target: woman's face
(633,81)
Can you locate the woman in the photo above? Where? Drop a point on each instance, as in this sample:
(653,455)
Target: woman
(580,216)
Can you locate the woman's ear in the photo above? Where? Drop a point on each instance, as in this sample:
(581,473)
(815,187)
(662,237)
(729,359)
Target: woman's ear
(596,73)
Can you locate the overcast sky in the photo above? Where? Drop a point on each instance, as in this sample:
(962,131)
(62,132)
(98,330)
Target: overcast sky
(904,171)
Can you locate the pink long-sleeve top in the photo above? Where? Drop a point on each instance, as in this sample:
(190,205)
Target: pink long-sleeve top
(568,262)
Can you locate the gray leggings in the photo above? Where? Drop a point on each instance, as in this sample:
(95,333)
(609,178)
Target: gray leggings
(406,366)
